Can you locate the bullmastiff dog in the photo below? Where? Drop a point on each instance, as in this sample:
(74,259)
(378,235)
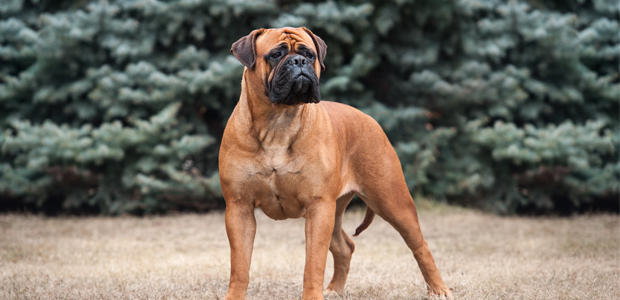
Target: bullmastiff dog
(293,155)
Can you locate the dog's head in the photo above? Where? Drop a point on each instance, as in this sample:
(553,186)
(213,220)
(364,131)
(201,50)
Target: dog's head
(286,62)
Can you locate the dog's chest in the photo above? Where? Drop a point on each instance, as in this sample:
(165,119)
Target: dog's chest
(280,176)
(278,162)
(278,171)
(276,145)
(276,158)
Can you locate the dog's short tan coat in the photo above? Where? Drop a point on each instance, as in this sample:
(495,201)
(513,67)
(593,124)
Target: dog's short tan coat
(308,160)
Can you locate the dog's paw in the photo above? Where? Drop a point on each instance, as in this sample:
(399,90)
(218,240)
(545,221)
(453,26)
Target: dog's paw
(440,294)
(331,294)
(233,296)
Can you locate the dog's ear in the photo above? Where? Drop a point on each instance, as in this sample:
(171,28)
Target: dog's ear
(245,48)
(320,46)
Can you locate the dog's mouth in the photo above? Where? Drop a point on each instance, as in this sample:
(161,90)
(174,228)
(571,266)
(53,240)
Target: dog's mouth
(301,85)
(293,85)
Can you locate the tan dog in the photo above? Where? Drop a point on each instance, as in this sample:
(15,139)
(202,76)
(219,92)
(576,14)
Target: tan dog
(292,156)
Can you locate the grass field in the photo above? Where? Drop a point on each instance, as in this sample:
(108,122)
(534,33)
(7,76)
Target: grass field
(480,256)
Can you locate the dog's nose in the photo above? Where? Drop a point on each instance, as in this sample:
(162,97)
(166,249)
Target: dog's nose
(298,60)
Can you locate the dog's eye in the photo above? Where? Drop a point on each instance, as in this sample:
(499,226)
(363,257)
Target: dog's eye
(276,55)
(309,55)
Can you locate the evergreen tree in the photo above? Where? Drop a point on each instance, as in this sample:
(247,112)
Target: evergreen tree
(524,101)
(118,106)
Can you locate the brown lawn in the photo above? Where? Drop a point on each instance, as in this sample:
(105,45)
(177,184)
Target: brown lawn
(480,256)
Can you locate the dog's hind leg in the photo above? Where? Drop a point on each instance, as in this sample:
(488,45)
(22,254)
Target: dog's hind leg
(386,193)
(341,247)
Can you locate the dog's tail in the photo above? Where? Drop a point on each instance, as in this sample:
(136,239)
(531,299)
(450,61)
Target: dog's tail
(370,215)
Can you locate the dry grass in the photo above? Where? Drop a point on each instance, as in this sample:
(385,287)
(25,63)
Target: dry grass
(481,256)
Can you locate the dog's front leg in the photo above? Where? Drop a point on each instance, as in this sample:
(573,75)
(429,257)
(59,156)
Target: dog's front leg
(320,217)
(241,229)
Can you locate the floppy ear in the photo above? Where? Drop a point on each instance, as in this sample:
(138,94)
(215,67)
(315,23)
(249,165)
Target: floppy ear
(245,48)
(320,46)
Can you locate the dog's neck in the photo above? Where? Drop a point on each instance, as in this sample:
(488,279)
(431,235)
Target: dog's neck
(271,124)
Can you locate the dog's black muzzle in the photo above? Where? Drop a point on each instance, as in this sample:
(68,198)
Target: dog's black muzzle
(294,82)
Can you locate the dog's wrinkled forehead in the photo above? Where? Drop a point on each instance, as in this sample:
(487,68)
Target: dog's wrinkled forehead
(261,41)
(292,38)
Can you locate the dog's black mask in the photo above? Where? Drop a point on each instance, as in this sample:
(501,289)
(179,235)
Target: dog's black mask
(294,81)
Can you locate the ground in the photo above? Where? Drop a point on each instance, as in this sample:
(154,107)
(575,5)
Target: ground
(481,256)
